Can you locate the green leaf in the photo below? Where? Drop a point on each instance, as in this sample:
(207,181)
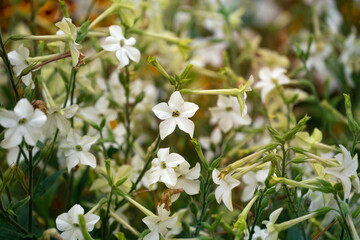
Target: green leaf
(46,184)
(120,236)
(14,207)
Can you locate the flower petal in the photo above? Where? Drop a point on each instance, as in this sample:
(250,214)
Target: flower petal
(162,111)
(167,127)
(185,125)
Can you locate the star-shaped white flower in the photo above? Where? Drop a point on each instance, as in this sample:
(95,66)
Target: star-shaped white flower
(176,112)
(223,191)
(58,119)
(69,223)
(123,47)
(273,233)
(186,178)
(67,28)
(160,224)
(228,114)
(267,78)
(347,173)
(18,60)
(76,149)
(162,169)
(24,121)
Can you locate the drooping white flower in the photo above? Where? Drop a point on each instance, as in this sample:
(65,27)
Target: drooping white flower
(187,178)
(347,173)
(69,29)
(160,224)
(162,167)
(58,119)
(273,233)
(69,223)
(228,114)
(253,180)
(267,78)
(223,191)
(24,121)
(176,112)
(18,60)
(76,149)
(123,47)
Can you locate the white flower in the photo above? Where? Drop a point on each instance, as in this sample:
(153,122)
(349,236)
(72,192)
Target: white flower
(223,191)
(24,121)
(69,223)
(253,180)
(18,59)
(176,112)
(347,173)
(76,149)
(122,46)
(267,77)
(227,113)
(162,168)
(186,178)
(273,233)
(259,234)
(160,224)
(99,111)
(67,28)
(58,119)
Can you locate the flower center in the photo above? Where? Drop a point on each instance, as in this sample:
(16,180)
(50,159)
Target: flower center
(78,148)
(22,121)
(229,109)
(163,165)
(175,113)
(122,42)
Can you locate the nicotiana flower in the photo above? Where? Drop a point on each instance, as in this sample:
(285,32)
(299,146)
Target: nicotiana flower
(58,119)
(227,113)
(273,233)
(18,59)
(76,149)
(176,112)
(253,180)
(347,173)
(99,111)
(259,234)
(162,167)
(67,28)
(160,224)
(69,223)
(223,191)
(123,47)
(267,78)
(186,178)
(24,121)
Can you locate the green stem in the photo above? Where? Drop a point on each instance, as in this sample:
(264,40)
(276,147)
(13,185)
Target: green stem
(71,183)
(127,115)
(204,204)
(257,214)
(343,216)
(30,189)
(8,68)
(84,232)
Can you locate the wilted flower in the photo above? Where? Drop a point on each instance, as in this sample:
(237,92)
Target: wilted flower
(176,112)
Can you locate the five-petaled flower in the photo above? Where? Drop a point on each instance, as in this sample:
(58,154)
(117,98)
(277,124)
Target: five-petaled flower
(69,223)
(176,112)
(76,149)
(24,121)
(123,47)
(228,114)
(347,172)
(162,168)
(223,191)
(160,224)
